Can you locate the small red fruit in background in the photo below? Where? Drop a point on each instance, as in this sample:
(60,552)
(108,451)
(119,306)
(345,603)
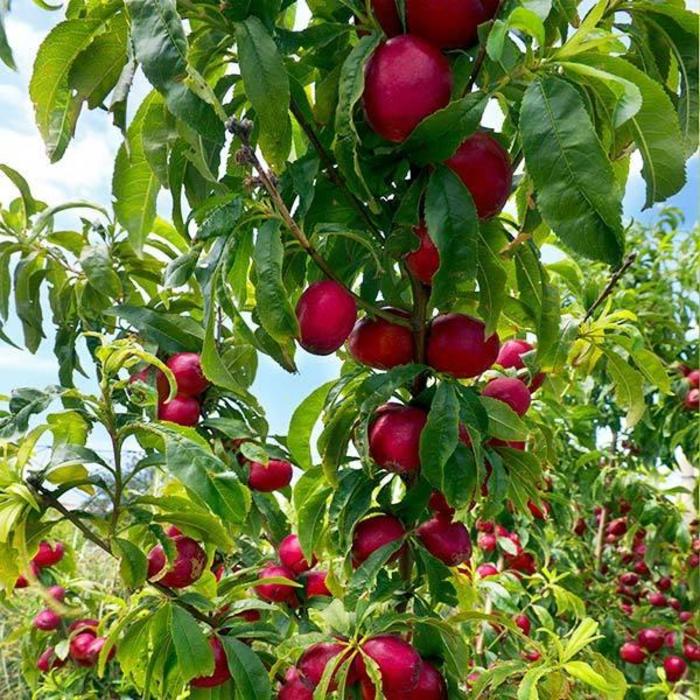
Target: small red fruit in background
(96,647)
(511,391)
(483,165)
(641,568)
(486,542)
(187,567)
(221,672)
(632,653)
(692,400)
(537,512)
(424,262)
(658,600)
(183,410)
(580,526)
(532,655)
(406,80)
(47,620)
(273,476)
(326,312)
(691,651)
(147,375)
(685,616)
(457,345)
(693,378)
(394,437)
(380,344)
(189,376)
(85,624)
(617,527)
(675,668)
(652,639)
(80,648)
(22,581)
(629,578)
(523,622)
(372,534)
(48,555)
(486,570)
(277,592)
(447,541)
(48,660)
(58,593)
(292,557)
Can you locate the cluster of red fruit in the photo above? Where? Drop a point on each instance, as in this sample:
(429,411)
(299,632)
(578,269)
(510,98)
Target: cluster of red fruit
(404,674)
(517,559)
(46,557)
(185,407)
(692,398)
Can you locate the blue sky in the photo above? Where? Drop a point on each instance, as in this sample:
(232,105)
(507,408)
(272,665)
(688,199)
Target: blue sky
(85,173)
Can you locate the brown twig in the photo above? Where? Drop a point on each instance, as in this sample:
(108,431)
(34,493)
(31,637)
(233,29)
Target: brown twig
(610,285)
(481,56)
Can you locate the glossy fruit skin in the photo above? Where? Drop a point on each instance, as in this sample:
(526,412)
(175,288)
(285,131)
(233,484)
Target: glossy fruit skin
(657,600)
(523,622)
(685,616)
(675,668)
(183,410)
(314,660)
(187,567)
(96,647)
(692,400)
(651,639)
(449,24)
(48,660)
(664,583)
(394,437)
(486,570)
(632,653)
(273,476)
(292,557)
(486,542)
(79,649)
(511,391)
(431,686)
(326,312)
(617,527)
(483,165)
(691,651)
(276,592)
(511,352)
(399,663)
(693,378)
(58,593)
(388,16)
(439,505)
(457,346)
(221,671)
(48,555)
(523,562)
(295,687)
(187,368)
(537,512)
(372,534)
(406,80)
(629,578)
(447,541)
(380,344)
(424,262)
(315,584)
(85,624)
(47,620)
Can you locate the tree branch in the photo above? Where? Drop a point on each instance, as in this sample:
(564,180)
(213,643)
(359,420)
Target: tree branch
(610,285)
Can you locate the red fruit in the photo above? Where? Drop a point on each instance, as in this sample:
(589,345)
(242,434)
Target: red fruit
(48,555)
(641,568)
(85,624)
(685,616)
(374,533)
(57,593)
(189,376)
(188,565)
(250,615)
(483,165)
(449,542)
(617,527)
(424,262)
(22,581)
(221,671)
(326,312)
(486,570)
(652,639)
(693,561)
(692,400)
(511,391)
(670,639)
(399,663)
(691,651)
(449,24)
(439,505)
(629,579)
(537,512)
(394,437)
(431,685)
(380,344)
(523,562)
(632,653)
(183,410)
(147,375)
(693,378)
(457,346)
(580,527)
(510,356)
(523,621)
(532,655)
(276,592)
(658,600)
(96,647)
(407,79)
(626,608)
(388,16)
(664,583)
(314,660)
(486,542)
(80,649)
(48,660)
(292,557)
(485,526)
(675,668)
(315,584)
(47,620)
(640,549)
(674,603)
(295,687)
(273,476)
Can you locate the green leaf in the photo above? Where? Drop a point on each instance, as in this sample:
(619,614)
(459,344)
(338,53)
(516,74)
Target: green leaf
(440,434)
(267,87)
(98,267)
(28,275)
(584,673)
(272,299)
(438,136)
(453,225)
(491,275)
(133,566)
(247,670)
(504,422)
(628,386)
(574,180)
(5,51)
(581,637)
(194,655)
(28,201)
(302,423)
(135,186)
(311,495)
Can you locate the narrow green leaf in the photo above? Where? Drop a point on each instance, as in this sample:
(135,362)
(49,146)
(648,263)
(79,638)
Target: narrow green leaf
(440,434)
(250,676)
(628,386)
(302,424)
(504,422)
(194,655)
(133,566)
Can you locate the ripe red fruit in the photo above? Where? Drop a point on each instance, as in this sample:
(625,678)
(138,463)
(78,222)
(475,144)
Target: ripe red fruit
(431,685)
(439,505)
(483,165)
(537,512)
(48,660)
(221,671)
(523,622)
(189,376)
(22,581)
(629,579)
(685,616)
(188,565)
(485,526)
(486,542)
(407,79)
(380,344)
(457,346)
(372,534)
(523,562)
(449,24)
(399,663)
(85,624)
(273,476)
(57,593)
(447,541)
(388,16)
(314,660)
(48,555)
(486,570)
(617,527)
(511,391)
(292,557)
(658,600)
(394,437)
(80,648)
(674,603)
(532,655)
(147,376)
(580,527)
(96,647)
(424,262)
(183,410)
(277,592)
(632,653)
(326,312)
(295,687)
(510,356)
(315,584)
(675,668)
(691,651)
(692,400)
(641,568)
(47,620)
(693,378)
(652,639)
